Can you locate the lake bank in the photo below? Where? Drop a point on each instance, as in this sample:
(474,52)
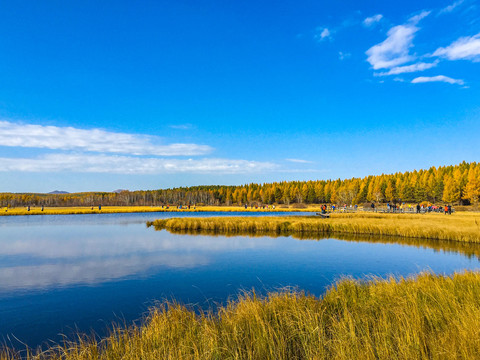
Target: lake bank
(81,210)
(458,227)
(427,316)
(143,209)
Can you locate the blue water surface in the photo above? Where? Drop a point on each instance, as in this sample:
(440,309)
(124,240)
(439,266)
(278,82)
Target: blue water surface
(67,273)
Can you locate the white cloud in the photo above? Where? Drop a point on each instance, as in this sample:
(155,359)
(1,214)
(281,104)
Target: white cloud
(415,19)
(465,48)
(394,50)
(369,21)
(421,66)
(182,127)
(438,78)
(343,55)
(322,34)
(95,140)
(115,164)
(450,8)
(300,161)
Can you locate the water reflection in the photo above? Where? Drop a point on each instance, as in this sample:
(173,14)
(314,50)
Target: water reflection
(471,250)
(93,255)
(89,272)
(49,259)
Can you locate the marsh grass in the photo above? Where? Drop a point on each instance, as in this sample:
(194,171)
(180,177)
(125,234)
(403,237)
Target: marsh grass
(427,317)
(458,227)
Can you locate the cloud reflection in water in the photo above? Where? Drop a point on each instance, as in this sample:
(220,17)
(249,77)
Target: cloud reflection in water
(84,255)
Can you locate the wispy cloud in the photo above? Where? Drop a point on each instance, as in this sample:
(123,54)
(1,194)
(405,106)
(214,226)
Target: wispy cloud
(465,48)
(421,66)
(115,164)
(343,55)
(450,8)
(300,161)
(91,140)
(394,50)
(322,33)
(438,78)
(182,127)
(372,20)
(416,18)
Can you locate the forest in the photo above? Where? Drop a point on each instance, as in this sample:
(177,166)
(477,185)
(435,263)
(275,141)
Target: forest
(455,184)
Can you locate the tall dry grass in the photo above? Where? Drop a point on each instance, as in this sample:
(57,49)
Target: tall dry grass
(427,317)
(457,227)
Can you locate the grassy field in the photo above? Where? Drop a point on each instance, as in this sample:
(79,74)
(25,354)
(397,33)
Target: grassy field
(427,317)
(133,209)
(37,210)
(457,227)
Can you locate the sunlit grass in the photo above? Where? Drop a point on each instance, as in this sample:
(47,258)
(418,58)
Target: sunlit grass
(51,210)
(37,210)
(427,317)
(456,227)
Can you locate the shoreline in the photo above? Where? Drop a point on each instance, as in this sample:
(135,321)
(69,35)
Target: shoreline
(22,211)
(81,210)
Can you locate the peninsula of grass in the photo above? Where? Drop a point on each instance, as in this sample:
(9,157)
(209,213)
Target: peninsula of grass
(458,227)
(427,317)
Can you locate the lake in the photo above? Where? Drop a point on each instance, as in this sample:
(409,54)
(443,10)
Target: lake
(60,274)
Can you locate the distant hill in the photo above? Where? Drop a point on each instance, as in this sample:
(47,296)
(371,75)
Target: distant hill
(119,191)
(59,192)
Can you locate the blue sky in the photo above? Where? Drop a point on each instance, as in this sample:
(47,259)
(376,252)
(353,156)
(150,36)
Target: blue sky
(117,94)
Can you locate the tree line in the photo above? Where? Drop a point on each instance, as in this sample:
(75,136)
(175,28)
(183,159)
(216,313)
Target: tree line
(456,184)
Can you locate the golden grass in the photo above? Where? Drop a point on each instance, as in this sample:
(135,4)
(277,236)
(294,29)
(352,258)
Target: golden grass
(427,317)
(37,210)
(456,227)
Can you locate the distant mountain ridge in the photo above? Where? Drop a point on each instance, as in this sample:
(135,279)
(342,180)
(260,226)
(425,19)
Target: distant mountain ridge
(59,192)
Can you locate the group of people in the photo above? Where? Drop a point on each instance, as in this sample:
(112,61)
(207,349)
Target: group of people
(394,207)
(447,209)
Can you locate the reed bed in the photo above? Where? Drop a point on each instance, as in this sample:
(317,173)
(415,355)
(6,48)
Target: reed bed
(458,227)
(426,317)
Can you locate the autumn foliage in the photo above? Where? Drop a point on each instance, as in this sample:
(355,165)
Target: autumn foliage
(450,184)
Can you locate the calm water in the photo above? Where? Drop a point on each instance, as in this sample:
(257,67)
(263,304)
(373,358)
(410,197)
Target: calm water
(60,273)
